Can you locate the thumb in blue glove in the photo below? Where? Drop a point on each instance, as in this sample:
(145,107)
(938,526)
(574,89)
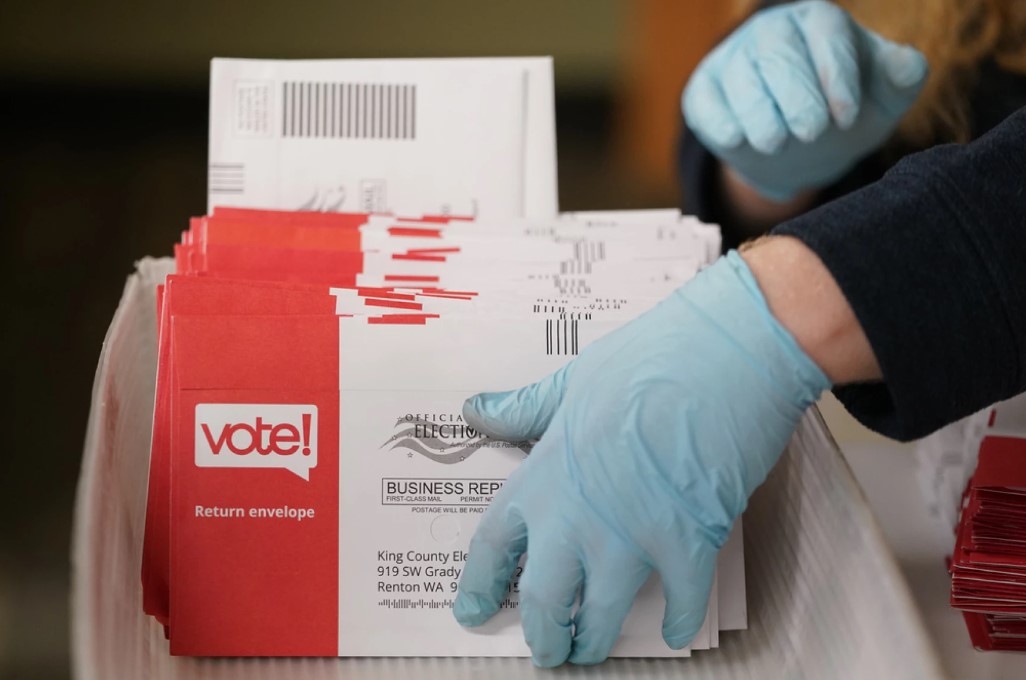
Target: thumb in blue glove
(650,443)
(798,94)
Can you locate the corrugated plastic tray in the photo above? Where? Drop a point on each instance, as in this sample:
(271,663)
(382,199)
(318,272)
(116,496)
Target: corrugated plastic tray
(825,596)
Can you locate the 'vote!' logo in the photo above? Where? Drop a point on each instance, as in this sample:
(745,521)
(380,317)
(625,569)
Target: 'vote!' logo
(257,436)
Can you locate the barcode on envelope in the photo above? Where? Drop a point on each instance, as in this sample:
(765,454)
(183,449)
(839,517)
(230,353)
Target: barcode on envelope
(349,110)
(226,178)
(560,311)
(561,337)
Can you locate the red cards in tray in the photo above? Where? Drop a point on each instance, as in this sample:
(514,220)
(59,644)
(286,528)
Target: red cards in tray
(988,569)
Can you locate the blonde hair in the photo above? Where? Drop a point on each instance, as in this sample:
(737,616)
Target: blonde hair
(956,36)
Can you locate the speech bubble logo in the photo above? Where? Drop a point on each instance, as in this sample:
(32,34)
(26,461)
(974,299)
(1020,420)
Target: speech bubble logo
(280,436)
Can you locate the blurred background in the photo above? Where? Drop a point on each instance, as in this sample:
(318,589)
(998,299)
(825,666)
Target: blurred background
(103,133)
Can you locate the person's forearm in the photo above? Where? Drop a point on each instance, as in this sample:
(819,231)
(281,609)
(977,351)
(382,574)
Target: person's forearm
(930,260)
(803,296)
(715,193)
(752,213)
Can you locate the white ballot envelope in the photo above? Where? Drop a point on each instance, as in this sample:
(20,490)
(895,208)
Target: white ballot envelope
(414,479)
(405,136)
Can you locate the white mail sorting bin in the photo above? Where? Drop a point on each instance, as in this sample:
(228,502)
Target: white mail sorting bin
(825,596)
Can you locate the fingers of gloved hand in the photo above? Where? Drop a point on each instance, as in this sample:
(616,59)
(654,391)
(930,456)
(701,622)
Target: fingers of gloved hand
(495,550)
(833,45)
(786,69)
(752,104)
(899,73)
(707,112)
(687,569)
(548,589)
(613,578)
(517,415)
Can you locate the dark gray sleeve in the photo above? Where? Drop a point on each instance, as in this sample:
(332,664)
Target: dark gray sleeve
(932,259)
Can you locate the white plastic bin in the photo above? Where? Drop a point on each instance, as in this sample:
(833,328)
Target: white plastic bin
(825,596)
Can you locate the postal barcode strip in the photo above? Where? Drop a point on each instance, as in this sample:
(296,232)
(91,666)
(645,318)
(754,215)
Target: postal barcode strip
(574,267)
(589,251)
(349,110)
(571,286)
(561,337)
(561,312)
(409,603)
(226,178)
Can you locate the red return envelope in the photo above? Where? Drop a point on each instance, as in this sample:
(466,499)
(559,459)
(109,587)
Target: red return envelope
(190,296)
(197,297)
(254,486)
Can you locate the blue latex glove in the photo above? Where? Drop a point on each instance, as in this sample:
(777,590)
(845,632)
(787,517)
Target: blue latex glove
(652,440)
(798,94)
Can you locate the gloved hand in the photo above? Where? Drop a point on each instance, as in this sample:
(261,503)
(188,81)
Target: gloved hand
(798,94)
(652,440)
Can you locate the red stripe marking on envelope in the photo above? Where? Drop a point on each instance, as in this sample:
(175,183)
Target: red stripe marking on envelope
(446,218)
(445,291)
(385,293)
(371,302)
(417,257)
(447,297)
(415,232)
(412,319)
(434,251)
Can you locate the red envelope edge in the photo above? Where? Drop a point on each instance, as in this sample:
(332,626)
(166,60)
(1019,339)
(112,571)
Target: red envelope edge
(185,295)
(224,258)
(234,585)
(989,585)
(344,220)
(1002,463)
(235,580)
(976,624)
(223,231)
(197,296)
(325,218)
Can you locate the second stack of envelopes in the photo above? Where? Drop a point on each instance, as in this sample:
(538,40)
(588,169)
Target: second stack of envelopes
(988,566)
